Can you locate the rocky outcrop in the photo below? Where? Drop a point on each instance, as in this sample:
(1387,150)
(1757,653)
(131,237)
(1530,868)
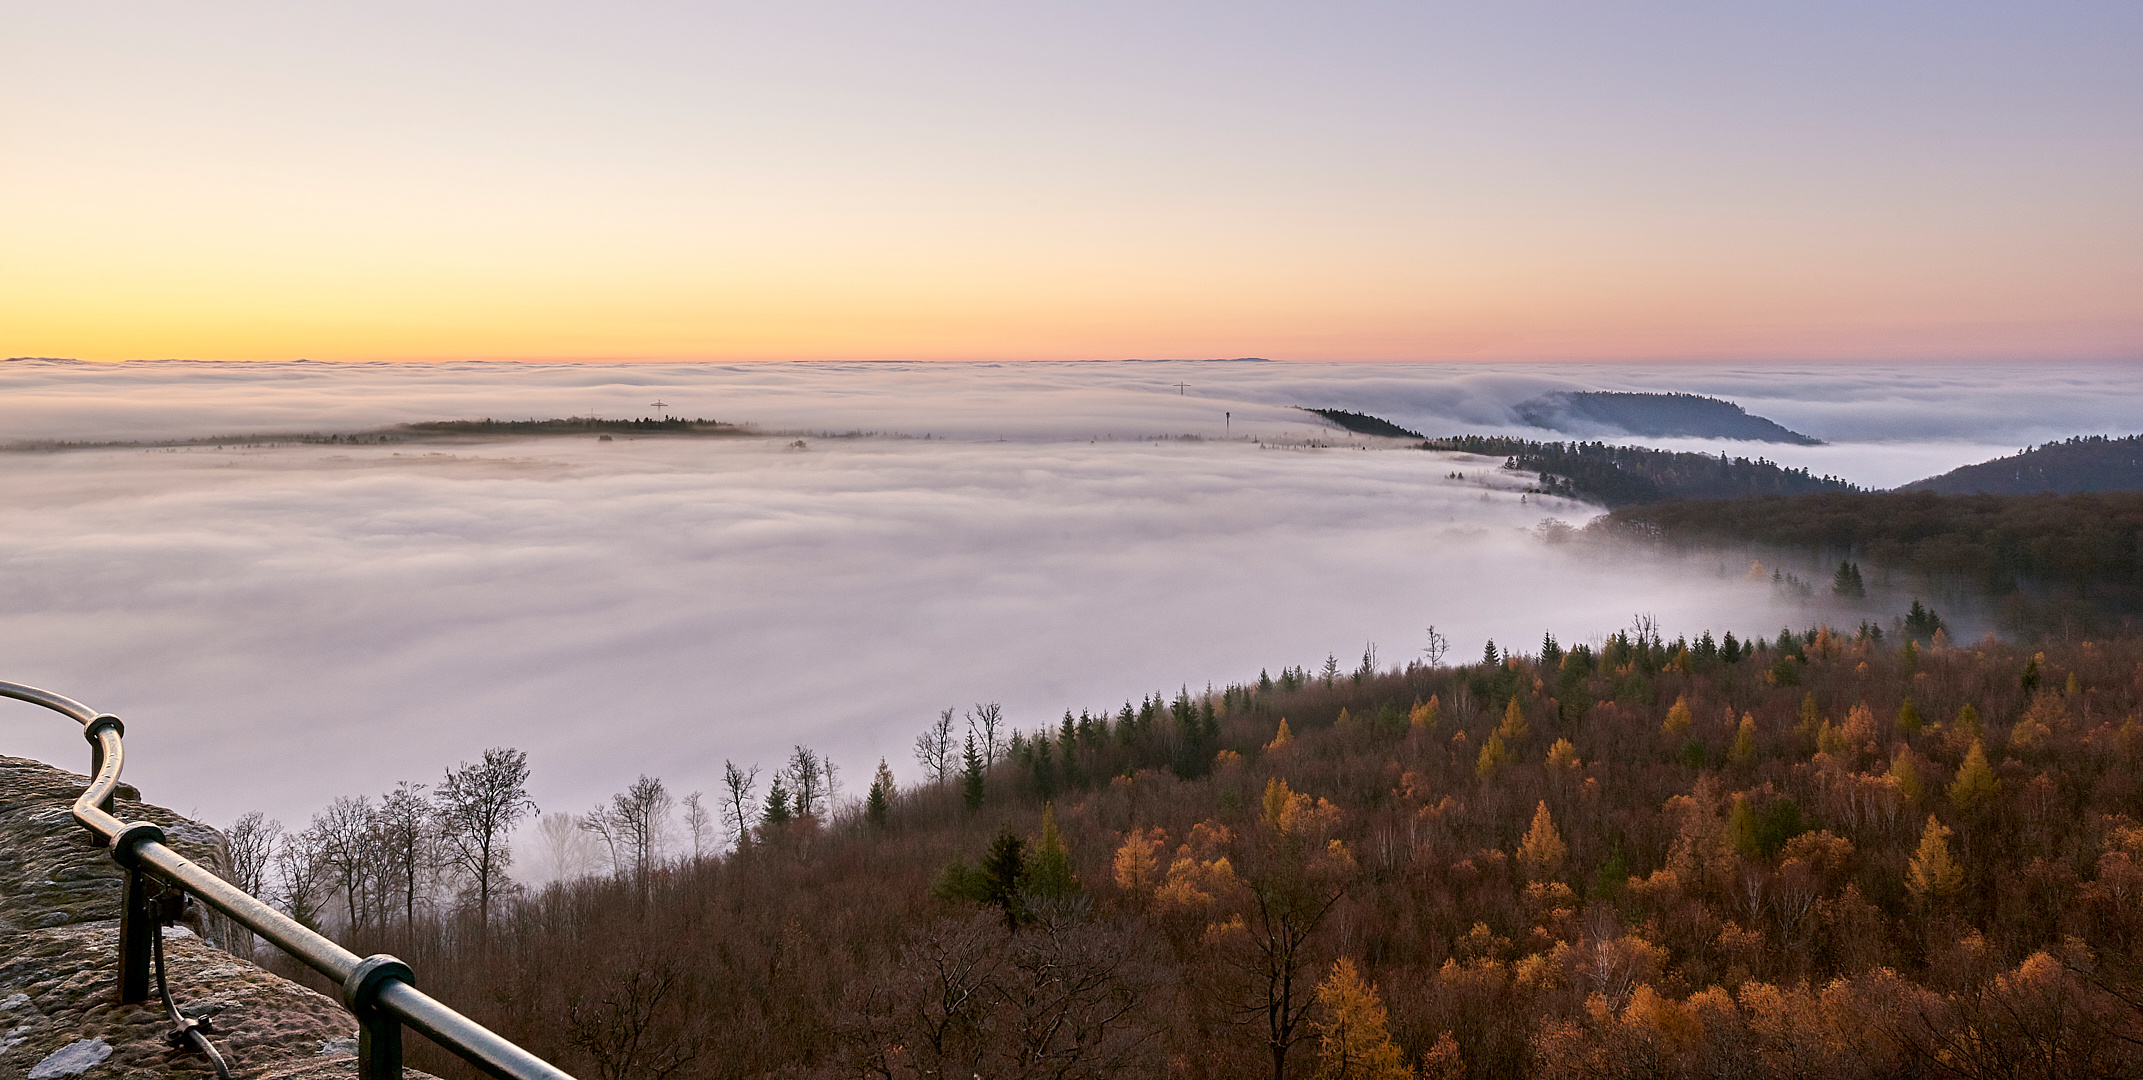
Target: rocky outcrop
(59,970)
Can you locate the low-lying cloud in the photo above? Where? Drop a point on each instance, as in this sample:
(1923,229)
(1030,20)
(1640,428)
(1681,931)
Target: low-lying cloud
(282,625)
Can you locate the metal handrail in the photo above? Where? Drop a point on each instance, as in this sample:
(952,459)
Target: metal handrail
(379,990)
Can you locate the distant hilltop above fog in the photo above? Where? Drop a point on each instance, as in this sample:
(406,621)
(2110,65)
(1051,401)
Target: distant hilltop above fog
(1654,415)
(2082,465)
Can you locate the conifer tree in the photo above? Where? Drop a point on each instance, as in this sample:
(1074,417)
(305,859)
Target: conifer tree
(1678,719)
(971,775)
(1908,718)
(1354,1032)
(1282,737)
(1513,729)
(1741,828)
(776,813)
(1932,874)
(877,806)
(1542,853)
(1003,875)
(1563,755)
(1847,583)
(1493,756)
(1976,785)
(1907,775)
(1968,720)
(1426,714)
(1049,868)
(1744,749)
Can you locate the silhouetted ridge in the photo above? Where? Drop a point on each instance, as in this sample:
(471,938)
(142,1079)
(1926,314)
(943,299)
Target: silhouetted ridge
(1656,415)
(1626,475)
(1365,424)
(2087,463)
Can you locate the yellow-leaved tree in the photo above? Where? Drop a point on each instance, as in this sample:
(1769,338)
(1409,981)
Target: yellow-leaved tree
(1976,785)
(1493,757)
(1282,737)
(1563,755)
(1678,719)
(1426,714)
(1542,853)
(1932,874)
(1514,727)
(1907,774)
(1354,1033)
(1744,748)
(1134,867)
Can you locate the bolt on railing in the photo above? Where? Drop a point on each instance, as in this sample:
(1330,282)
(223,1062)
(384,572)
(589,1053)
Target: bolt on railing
(379,990)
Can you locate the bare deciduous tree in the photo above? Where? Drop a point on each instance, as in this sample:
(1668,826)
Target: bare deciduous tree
(403,824)
(739,802)
(988,719)
(697,822)
(477,808)
(933,748)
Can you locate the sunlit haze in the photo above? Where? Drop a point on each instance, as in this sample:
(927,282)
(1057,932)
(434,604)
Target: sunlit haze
(964,181)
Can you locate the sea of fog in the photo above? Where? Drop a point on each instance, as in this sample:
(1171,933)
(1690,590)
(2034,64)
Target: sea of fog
(284,623)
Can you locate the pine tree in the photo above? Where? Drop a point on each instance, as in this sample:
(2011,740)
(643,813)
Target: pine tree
(877,806)
(1282,737)
(1354,1032)
(776,813)
(1932,874)
(1976,785)
(1542,853)
(1004,874)
(1847,583)
(971,774)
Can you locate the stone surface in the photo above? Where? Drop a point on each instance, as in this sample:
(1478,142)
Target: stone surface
(59,970)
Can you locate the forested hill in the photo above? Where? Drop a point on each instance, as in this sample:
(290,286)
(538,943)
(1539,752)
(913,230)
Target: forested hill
(1834,855)
(1629,475)
(2091,463)
(2050,560)
(1655,415)
(1365,424)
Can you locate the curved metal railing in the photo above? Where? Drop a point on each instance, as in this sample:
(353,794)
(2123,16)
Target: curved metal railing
(379,990)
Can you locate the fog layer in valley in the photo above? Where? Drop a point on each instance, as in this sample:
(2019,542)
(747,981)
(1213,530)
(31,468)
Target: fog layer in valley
(285,624)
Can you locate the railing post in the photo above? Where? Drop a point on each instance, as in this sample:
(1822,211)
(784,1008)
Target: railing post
(138,916)
(379,1032)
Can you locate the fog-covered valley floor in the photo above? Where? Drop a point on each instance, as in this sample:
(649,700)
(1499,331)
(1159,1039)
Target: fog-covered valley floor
(283,624)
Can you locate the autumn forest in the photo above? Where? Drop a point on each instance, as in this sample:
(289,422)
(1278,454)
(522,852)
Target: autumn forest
(1846,855)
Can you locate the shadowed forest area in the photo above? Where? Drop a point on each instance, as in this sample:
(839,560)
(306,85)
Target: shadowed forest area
(2061,565)
(1816,855)
(1615,475)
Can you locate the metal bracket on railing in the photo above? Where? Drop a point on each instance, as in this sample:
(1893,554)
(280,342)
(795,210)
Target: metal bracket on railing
(139,918)
(379,1032)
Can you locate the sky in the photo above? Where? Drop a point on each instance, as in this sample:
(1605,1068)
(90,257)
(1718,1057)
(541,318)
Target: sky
(1347,181)
(282,624)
